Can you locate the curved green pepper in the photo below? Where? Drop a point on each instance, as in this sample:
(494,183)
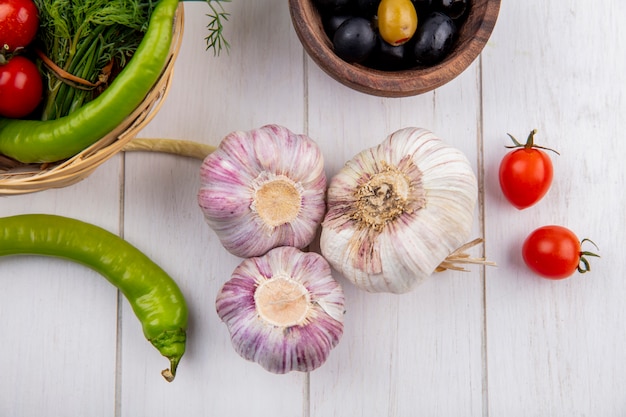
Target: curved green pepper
(34,141)
(153,295)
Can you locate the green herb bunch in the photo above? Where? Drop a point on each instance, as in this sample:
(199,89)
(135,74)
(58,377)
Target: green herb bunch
(85,42)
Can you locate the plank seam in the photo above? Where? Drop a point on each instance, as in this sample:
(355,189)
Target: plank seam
(481,215)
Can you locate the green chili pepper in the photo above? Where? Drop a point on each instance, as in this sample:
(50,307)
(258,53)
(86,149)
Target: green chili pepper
(153,295)
(34,141)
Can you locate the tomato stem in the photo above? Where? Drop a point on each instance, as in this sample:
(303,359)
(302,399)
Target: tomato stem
(530,143)
(586,267)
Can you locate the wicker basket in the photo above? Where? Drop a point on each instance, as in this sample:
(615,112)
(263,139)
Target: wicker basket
(17,178)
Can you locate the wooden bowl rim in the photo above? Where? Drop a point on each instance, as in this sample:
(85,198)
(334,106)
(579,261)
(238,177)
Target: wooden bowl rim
(388,83)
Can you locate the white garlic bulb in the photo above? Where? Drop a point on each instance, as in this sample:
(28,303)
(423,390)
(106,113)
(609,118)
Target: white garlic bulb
(397,210)
(283,310)
(262,189)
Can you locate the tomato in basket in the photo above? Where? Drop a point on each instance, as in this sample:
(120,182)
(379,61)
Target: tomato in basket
(19,21)
(21,87)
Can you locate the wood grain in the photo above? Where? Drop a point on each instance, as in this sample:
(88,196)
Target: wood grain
(494,341)
(554,347)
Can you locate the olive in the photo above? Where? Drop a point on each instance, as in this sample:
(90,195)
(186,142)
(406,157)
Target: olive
(397,21)
(354,40)
(332,22)
(423,6)
(453,8)
(367,8)
(333,6)
(387,57)
(433,40)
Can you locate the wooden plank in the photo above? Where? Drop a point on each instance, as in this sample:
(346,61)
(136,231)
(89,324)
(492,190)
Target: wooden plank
(422,351)
(491,342)
(259,82)
(556,348)
(59,319)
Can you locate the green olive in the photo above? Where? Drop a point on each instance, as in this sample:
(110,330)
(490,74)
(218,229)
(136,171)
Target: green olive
(397,21)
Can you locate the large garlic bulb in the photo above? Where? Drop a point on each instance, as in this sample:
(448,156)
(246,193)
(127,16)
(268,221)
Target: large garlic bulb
(262,189)
(397,210)
(284,310)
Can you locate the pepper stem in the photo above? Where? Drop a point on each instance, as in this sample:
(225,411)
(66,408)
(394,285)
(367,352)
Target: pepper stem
(171,344)
(460,257)
(170,374)
(172,146)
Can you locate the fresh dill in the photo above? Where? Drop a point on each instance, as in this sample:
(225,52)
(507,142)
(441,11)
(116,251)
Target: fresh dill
(217,16)
(88,41)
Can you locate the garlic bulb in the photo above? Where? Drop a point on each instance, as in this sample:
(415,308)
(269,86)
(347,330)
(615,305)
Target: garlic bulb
(284,310)
(397,210)
(262,189)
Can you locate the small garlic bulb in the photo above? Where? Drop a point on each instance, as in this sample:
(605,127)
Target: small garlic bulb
(283,310)
(397,210)
(262,189)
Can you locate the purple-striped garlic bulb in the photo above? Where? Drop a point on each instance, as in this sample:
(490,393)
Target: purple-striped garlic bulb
(263,189)
(398,210)
(283,310)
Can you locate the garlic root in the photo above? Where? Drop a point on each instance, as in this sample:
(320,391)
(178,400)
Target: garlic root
(460,257)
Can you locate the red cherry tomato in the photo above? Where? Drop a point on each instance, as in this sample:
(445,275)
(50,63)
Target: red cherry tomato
(554,252)
(21,87)
(525,173)
(19,22)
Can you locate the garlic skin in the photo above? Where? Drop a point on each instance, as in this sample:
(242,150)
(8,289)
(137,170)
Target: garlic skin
(397,210)
(283,310)
(262,189)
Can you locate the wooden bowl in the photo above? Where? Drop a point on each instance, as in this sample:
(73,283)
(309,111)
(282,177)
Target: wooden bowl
(473,35)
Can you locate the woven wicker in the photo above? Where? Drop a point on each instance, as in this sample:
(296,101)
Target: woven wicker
(16,178)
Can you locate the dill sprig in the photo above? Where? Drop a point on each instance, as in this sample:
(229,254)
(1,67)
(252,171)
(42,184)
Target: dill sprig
(83,38)
(215,39)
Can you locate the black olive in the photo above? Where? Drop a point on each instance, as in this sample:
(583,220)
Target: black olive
(433,39)
(423,6)
(354,40)
(367,8)
(453,8)
(333,6)
(332,22)
(387,57)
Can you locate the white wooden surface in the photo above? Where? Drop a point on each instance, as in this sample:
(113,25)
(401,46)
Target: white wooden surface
(492,342)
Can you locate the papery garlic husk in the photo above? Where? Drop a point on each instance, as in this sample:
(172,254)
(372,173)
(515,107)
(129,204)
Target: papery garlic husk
(263,189)
(284,310)
(397,210)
